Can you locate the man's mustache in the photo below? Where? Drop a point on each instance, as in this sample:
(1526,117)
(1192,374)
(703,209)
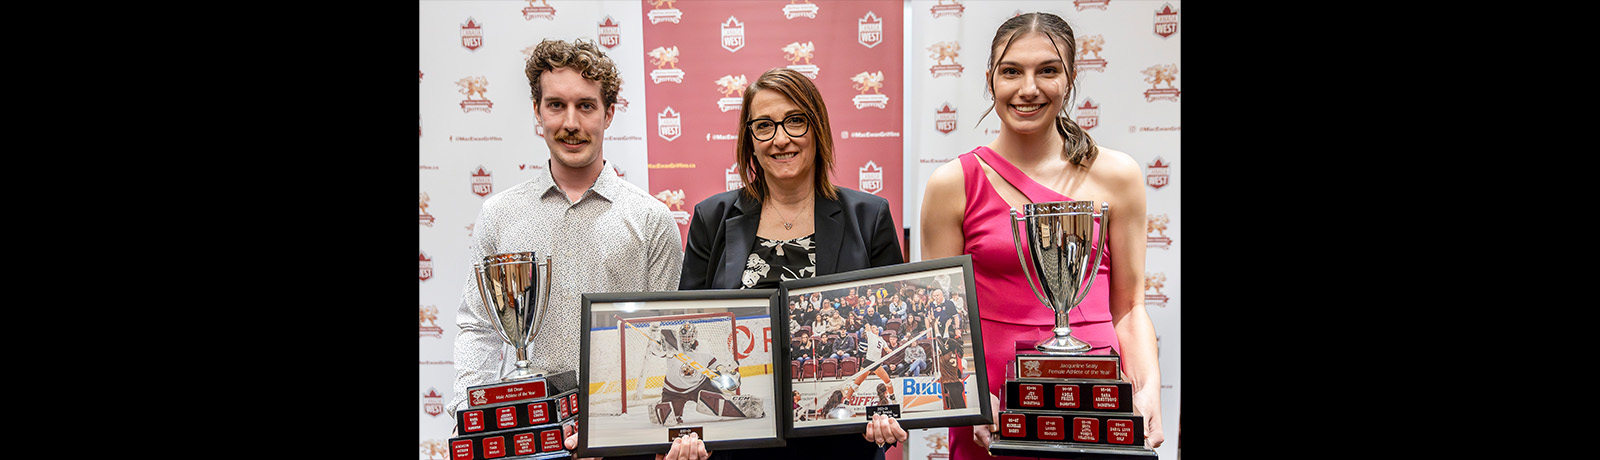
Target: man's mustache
(571,138)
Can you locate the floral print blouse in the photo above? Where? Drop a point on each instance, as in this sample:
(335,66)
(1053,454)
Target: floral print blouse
(775,261)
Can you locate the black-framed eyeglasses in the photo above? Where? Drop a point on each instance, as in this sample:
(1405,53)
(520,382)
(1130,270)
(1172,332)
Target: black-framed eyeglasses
(764,128)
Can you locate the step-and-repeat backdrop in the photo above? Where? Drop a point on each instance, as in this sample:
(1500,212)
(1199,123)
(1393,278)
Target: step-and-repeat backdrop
(903,82)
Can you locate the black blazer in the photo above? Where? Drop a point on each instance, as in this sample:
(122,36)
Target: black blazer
(852,233)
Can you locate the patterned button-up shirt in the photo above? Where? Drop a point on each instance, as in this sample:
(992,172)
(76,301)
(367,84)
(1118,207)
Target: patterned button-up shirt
(615,238)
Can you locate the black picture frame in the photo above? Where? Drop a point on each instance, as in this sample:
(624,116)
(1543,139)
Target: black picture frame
(807,383)
(605,430)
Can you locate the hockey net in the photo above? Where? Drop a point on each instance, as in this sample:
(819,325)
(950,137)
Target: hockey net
(634,379)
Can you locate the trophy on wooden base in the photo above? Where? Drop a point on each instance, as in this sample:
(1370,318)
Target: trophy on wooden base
(1061,401)
(521,416)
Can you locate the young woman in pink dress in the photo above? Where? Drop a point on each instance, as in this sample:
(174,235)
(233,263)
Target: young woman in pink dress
(1039,156)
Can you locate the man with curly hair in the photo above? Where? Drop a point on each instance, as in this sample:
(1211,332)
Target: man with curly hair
(602,233)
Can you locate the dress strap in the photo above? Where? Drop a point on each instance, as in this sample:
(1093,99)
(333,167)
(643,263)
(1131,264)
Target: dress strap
(1035,191)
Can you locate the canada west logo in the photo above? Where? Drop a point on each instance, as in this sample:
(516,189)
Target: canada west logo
(472,34)
(610,33)
(1088,114)
(1159,173)
(669,124)
(944,119)
(871,178)
(869,30)
(1166,21)
(732,35)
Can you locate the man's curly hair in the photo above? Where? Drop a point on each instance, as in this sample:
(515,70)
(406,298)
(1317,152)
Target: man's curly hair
(584,57)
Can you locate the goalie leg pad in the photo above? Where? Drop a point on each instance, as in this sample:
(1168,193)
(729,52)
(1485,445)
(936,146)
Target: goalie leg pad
(718,404)
(660,412)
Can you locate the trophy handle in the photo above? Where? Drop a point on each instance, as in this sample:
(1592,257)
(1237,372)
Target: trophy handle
(1100,246)
(478,270)
(477,273)
(544,297)
(1027,275)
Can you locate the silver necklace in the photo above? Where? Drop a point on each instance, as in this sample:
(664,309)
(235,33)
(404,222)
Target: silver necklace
(788,224)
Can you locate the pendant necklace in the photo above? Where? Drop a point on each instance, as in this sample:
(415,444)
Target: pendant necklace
(790,222)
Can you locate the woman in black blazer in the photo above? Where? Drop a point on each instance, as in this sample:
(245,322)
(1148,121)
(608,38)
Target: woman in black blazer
(850,233)
(789,221)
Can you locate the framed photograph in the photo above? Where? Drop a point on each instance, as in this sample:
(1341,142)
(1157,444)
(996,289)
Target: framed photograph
(661,364)
(902,340)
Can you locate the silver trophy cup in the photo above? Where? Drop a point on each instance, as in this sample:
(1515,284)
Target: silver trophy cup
(1058,237)
(516,299)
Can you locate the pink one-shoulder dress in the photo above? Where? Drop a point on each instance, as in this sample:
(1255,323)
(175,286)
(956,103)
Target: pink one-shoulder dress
(1011,316)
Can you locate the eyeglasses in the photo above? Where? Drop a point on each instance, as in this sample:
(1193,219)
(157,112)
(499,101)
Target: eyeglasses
(764,129)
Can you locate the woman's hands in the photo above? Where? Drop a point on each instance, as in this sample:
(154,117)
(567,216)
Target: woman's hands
(686,447)
(884,430)
(1147,402)
(984,434)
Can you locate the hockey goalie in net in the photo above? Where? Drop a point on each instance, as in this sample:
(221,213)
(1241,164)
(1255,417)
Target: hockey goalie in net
(684,384)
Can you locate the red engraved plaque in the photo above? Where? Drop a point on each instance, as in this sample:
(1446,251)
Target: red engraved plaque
(563,403)
(1083,367)
(1085,429)
(1052,428)
(550,440)
(522,444)
(494,447)
(1066,396)
(1013,425)
(572,401)
(1119,431)
(505,417)
(508,393)
(473,421)
(461,450)
(1030,395)
(537,413)
(1105,397)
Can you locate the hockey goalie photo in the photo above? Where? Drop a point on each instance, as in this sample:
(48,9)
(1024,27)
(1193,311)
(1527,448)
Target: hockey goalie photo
(656,362)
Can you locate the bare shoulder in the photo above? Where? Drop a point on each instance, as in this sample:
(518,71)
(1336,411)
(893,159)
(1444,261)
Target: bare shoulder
(947,175)
(1115,168)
